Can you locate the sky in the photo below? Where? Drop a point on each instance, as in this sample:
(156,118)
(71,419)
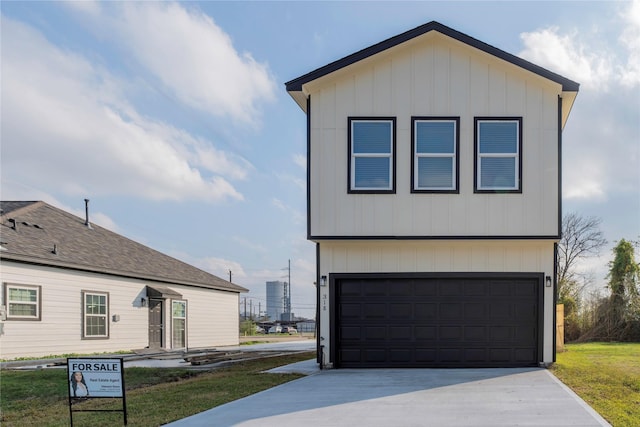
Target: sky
(173,119)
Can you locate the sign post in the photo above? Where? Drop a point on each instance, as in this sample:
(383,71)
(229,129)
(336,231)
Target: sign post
(91,378)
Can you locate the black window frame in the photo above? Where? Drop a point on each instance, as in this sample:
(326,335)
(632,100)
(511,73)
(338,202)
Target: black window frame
(456,164)
(477,157)
(350,168)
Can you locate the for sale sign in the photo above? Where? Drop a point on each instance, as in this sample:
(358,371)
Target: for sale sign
(95,377)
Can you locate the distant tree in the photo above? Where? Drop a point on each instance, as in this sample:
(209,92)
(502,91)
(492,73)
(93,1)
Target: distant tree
(581,238)
(623,312)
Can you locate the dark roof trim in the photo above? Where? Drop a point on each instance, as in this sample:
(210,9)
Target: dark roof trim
(426,238)
(295,85)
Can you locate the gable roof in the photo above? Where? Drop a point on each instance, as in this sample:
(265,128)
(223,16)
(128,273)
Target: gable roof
(294,87)
(38,233)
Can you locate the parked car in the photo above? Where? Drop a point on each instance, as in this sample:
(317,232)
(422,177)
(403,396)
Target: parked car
(275,329)
(260,330)
(289,330)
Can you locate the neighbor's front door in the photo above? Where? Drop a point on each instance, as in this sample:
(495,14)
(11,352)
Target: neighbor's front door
(156,326)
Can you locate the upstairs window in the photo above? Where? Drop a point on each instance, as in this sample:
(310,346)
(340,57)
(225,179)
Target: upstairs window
(95,314)
(372,155)
(435,154)
(498,145)
(22,302)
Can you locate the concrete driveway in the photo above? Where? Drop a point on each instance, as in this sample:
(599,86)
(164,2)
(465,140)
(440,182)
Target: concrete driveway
(407,397)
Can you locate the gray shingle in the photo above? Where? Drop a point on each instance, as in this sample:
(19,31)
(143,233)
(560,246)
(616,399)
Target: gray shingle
(38,233)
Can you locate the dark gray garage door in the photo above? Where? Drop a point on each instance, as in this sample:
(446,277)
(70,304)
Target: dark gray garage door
(452,321)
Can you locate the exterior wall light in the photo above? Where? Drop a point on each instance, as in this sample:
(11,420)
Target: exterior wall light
(143,302)
(323,280)
(548,281)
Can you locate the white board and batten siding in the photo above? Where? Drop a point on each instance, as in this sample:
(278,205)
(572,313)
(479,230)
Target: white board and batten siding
(212,316)
(433,75)
(441,256)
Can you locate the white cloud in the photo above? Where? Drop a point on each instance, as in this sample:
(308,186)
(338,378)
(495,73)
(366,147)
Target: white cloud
(630,39)
(194,58)
(66,125)
(588,56)
(300,160)
(565,54)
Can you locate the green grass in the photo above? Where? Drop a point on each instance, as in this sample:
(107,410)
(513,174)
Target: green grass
(154,396)
(606,376)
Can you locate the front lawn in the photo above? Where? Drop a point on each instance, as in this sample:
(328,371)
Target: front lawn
(155,396)
(606,376)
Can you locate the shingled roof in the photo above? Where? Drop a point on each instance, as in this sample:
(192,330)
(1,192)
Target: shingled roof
(38,233)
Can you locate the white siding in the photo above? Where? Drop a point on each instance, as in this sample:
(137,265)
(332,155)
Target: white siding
(212,315)
(529,256)
(433,76)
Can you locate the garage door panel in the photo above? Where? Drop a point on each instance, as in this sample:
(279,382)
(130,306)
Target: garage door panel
(448,288)
(401,333)
(379,289)
(437,322)
(401,288)
(351,287)
(401,310)
(450,355)
(448,333)
(428,333)
(351,333)
(524,354)
(500,334)
(374,311)
(425,287)
(450,310)
(475,334)
(426,311)
(350,310)
(425,355)
(475,355)
(377,355)
(475,311)
(375,333)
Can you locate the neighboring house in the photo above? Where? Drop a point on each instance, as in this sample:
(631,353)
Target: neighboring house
(69,286)
(434,199)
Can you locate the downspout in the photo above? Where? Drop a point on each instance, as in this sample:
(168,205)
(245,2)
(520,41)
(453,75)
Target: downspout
(555,245)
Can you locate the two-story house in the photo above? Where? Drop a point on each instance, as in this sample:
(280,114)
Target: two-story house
(434,199)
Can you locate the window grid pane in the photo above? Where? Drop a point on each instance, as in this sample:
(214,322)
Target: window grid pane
(498,137)
(19,294)
(371,137)
(435,137)
(95,315)
(435,172)
(29,310)
(372,172)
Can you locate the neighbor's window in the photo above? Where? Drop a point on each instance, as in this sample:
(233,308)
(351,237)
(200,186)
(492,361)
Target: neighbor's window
(435,154)
(96,314)
(179,322)
(498,144)
(22,301)
(371,155)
